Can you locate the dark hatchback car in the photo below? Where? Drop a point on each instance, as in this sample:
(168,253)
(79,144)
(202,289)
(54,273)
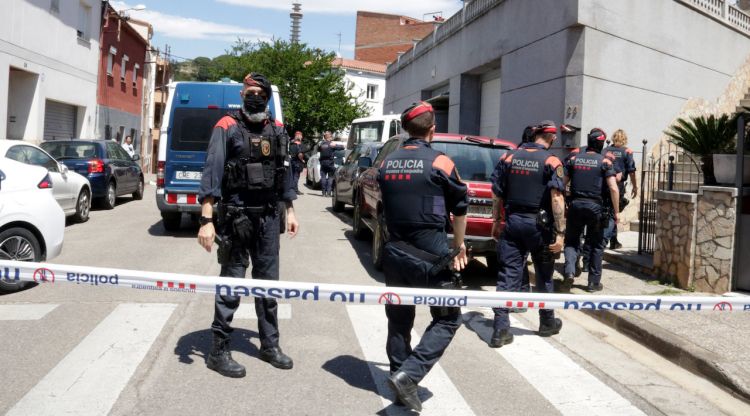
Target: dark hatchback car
(108,167)
(475,159)
(345,178)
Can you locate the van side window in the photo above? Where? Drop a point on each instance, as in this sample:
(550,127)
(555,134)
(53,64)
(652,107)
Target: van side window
(394,128)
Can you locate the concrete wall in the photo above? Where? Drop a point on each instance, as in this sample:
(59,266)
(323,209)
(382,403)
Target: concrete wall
(592,63)
(66,66)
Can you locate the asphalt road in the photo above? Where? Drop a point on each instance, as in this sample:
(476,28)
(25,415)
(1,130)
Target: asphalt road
(87,350)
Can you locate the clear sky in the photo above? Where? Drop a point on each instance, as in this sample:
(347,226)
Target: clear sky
(209,27)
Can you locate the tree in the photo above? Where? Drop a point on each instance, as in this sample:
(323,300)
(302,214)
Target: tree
(314,94)
(703,136)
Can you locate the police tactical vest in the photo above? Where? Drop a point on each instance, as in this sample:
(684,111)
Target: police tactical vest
(587,176)
(259,165)
(619,154)
(409,196)
(326,151)
(526,182)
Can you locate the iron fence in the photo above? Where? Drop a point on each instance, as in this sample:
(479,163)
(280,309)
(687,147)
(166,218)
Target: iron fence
(667,168)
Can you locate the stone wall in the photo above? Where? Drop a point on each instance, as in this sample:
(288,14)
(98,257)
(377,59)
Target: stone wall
(715,239)
(675,237)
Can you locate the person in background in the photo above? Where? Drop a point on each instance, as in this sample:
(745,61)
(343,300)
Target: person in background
(624,168)
(127,144)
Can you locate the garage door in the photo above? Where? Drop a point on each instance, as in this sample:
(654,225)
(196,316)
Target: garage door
(489,121)
(59,120)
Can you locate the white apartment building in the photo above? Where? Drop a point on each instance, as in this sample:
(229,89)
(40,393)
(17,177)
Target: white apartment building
(367,80)
(49,55)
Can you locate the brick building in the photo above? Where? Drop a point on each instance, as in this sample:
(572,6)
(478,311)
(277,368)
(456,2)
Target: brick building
(120,84)
(381,37)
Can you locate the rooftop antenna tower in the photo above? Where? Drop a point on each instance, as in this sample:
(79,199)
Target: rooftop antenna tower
(296,16)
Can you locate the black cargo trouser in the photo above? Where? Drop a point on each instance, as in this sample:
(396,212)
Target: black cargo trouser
(263,252)
(416,363)
(585,213)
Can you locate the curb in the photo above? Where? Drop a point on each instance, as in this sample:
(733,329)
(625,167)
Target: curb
(675,349)
(615,258)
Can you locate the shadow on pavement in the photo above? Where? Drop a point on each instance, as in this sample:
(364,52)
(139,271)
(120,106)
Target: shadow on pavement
(357,373)
(198,344)
(188,229)
(483,327)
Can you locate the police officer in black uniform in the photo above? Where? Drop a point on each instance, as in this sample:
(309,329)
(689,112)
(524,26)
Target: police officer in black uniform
(625,168)
(529,184)
(297,159)
(247,173)
(420,188)
(588,172)
(327,166)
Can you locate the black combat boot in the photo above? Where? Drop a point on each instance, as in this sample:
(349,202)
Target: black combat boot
(406,390)
(501,337)
(549,328)
(220,359)
(567,283)
(276,358)
(579,266)
(594,287)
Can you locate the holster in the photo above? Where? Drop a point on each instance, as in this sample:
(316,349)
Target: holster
(224,251)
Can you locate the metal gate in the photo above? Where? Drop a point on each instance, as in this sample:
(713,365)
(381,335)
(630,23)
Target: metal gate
(668,168)
(59,121)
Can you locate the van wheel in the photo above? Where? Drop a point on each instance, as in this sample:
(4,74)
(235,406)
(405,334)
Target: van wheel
(378,241)
(171,220)
(18,244)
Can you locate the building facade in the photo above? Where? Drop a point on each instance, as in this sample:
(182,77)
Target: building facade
(121,84)
(367,82)
(499,65)
(48,77)
(380,37)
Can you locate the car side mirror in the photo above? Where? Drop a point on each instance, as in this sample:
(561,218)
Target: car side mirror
(2,178)
(62,168)
(136,157)
(364,162)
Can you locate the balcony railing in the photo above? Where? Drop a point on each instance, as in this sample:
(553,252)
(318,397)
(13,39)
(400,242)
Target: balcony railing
(724,12)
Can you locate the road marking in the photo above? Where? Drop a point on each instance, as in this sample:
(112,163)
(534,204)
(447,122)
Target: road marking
(26,312)
(371,328)
(89,379)
(565,384)
(247,311)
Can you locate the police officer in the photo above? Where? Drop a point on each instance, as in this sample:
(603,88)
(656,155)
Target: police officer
(298,159)
(624,167)
(587,173)
(529,184)
(327,167)
(420,188)
(247,173)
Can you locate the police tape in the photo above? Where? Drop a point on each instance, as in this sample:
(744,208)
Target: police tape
(15,271)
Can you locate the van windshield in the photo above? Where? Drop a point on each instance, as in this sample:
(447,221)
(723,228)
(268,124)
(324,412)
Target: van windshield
(370,131)
(191,128)
(473,162)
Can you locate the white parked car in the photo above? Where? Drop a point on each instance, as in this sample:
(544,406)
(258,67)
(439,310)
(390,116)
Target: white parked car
(32,224)
(313,164)
(72,191)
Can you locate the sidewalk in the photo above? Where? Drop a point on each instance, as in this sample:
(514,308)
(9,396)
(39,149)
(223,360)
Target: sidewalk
(711,344)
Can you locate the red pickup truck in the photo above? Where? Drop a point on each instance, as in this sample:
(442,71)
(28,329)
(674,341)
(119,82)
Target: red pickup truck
(475,158)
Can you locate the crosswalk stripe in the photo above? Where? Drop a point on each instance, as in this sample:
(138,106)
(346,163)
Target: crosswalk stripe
(26,312)
(565,384)
(247,311)
(371,328)
(89,379)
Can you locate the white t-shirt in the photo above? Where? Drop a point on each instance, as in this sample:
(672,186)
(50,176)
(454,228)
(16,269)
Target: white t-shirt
(128,148)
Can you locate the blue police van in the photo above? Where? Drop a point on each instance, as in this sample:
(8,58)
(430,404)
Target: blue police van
(192,111)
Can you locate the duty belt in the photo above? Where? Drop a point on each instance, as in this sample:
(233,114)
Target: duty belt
(585,198)
(260,210)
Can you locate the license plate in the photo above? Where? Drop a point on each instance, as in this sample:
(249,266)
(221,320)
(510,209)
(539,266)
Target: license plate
(483,211)
(191,175)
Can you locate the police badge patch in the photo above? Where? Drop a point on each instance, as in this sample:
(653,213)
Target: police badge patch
(265,147)
(559,171)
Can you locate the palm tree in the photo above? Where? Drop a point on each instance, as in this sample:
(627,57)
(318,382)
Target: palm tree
(703,136)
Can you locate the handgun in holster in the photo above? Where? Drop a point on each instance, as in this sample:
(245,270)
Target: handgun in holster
(544,221)
(224,251)
(442,264)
